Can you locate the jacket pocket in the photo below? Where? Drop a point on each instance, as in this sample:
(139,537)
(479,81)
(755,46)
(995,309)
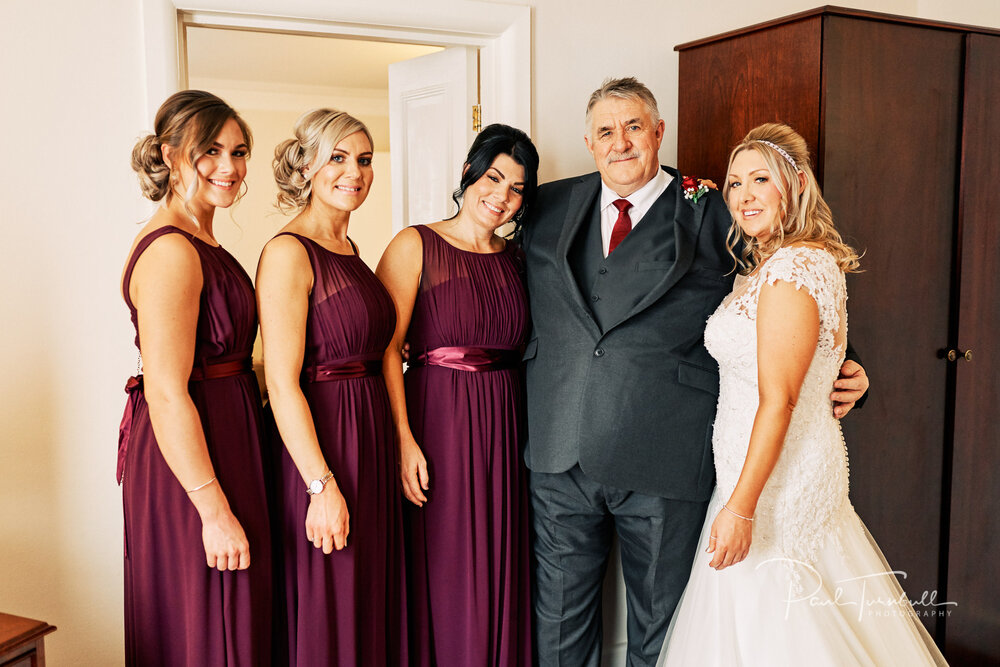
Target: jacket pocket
(698,377)
(530,350)
(658,265)
(714,273)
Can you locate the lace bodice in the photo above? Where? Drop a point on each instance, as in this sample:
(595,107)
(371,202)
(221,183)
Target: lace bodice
(807,491)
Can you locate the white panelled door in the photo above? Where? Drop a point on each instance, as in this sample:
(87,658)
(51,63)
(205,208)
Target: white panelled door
(430,129)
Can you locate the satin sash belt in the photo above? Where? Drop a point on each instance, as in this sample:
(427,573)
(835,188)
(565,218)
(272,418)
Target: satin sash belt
(344,369)
(468,358)
(222,369)
(207,370)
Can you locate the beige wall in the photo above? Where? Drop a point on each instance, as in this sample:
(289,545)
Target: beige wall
(73,107)
(74,99)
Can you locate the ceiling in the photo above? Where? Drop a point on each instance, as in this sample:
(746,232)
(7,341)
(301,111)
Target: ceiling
(294,60)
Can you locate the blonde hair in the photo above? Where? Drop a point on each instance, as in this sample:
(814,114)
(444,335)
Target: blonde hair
(805,216)
(317,133)
(188,120)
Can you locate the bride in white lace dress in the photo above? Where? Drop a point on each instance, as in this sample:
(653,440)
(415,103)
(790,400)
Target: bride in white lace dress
(789,575)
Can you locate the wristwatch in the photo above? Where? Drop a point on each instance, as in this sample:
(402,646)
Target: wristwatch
(317,485)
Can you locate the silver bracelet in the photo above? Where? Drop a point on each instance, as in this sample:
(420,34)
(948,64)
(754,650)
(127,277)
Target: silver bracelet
(199,488)
(745,518)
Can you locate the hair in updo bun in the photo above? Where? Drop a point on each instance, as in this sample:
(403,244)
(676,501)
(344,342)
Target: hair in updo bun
(317,133)
(188,122)
(147,161)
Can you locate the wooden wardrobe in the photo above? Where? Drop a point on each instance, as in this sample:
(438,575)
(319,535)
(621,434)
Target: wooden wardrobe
(903,118)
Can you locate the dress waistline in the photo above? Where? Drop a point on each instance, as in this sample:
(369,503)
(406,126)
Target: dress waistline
(213,370)
(344,369)
(209,369)
(468,358)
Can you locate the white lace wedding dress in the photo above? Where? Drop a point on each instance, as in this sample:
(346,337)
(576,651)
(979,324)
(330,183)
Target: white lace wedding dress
(815,589)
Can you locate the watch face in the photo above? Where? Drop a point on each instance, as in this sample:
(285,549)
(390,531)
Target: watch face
(315,486)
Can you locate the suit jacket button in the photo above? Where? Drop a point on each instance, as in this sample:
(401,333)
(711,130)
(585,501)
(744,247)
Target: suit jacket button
(599,352)
(594,297)
(603,270)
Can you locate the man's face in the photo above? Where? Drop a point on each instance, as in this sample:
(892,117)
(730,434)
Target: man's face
(625,143)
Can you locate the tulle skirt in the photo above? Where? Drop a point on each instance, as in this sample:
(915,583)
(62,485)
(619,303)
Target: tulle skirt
(846,608)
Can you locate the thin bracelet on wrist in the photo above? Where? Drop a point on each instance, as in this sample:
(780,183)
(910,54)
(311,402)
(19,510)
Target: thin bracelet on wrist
(745,518)
(199,488)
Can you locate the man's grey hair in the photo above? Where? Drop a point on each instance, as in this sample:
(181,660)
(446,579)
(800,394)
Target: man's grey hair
(627,88)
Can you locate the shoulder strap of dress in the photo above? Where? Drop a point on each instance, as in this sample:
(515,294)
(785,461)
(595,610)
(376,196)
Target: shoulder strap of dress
(303,239)
(310,248)
(424,231)
(140,248)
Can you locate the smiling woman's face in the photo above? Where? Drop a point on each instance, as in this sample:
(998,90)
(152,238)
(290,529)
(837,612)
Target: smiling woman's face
(219,172)
(344,181)
(753,198)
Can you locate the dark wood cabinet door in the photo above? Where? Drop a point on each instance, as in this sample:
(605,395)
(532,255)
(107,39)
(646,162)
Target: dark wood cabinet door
(727,88)
(891,118)
(973,629)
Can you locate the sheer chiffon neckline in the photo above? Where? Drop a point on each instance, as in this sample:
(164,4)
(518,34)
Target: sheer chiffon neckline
(470,252)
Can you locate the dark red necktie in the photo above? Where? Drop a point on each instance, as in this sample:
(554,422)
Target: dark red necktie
(623,225)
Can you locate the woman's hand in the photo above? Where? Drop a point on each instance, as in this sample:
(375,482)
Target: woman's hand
(729,541)
(327,520)
(413,471)
(226,545)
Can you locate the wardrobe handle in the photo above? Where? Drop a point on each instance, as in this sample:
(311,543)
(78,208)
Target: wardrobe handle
(968,355)
(955,355)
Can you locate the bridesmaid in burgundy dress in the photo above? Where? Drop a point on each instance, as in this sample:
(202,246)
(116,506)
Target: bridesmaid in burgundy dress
(461,306)
(325,322)
(197,537)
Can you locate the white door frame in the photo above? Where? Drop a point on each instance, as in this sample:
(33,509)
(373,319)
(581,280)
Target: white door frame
(502,32)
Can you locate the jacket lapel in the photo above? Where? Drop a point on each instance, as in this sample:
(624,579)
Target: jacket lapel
(687,223)
(581,207)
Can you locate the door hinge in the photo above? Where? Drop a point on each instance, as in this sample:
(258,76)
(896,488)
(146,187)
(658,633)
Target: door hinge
(477,118)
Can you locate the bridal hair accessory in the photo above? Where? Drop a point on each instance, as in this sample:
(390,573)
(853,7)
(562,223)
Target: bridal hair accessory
(693,188)
(781,151)
(745,518)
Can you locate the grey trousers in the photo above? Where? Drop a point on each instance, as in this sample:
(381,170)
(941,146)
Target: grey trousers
(573,519)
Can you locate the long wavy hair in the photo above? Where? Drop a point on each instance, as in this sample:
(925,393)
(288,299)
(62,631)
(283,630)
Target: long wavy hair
(804,217)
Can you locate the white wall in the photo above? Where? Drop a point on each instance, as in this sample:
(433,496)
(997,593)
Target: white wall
(74,99)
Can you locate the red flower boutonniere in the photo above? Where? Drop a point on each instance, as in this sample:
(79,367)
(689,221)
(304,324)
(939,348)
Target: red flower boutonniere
(694,188)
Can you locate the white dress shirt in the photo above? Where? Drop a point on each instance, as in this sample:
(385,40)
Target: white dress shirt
(641,200)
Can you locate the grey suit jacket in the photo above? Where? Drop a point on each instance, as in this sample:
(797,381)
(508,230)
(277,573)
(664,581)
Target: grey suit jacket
(618,377)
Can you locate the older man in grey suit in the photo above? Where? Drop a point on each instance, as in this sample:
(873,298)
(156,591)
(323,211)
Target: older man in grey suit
(623,270)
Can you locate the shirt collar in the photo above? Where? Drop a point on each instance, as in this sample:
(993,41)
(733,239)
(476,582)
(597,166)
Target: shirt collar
(642,198)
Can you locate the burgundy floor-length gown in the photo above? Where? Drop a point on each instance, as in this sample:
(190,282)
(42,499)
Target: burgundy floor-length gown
(347,608)
(178,611)
(468,545)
